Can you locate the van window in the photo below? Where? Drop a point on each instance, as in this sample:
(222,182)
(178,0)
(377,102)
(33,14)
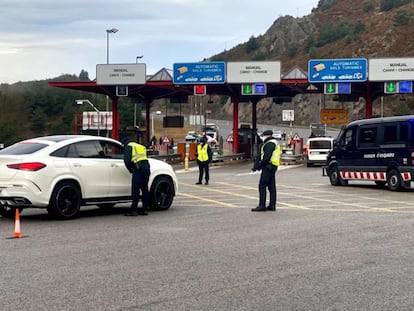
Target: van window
(367,137)
(346,139)
(390,134)
(395,133)
(404,132)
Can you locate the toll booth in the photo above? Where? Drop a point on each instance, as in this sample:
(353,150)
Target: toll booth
(248,142)
(134,134)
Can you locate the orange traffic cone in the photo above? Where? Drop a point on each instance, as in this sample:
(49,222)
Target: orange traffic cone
(17,232)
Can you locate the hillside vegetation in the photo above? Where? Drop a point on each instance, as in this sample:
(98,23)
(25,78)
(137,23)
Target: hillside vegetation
(335,29)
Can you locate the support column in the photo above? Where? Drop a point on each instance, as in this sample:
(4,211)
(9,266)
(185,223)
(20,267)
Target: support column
(235,101)
(368,102)
(147,122)
(254,102)
(115,118)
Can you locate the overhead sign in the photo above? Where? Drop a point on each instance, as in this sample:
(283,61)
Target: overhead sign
(92,120)
(200,90)
(337,88)
(333,116)
(199,73)
(121,74)
(389,69)
(254,89)
(402,87)
(288,115)
(337,70)
(250,72)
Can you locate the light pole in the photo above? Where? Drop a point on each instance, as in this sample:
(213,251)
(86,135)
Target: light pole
(108,31)
(139,57)
(82,101)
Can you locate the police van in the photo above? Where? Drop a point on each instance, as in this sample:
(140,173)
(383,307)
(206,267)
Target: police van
(379,150)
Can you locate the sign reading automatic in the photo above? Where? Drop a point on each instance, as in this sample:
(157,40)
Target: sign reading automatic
(337,70)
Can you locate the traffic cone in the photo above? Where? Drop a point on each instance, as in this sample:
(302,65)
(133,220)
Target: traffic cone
(17,232)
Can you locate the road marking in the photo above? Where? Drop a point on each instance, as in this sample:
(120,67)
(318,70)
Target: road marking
(206,200)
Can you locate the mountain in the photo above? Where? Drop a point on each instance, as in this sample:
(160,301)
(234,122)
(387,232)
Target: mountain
(335,29)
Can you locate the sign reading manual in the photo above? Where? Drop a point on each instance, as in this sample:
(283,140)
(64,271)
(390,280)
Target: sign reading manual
(199,73)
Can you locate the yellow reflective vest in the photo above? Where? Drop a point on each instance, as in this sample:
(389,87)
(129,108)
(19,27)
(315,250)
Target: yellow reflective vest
(139,152)
(275,158)
(202,154)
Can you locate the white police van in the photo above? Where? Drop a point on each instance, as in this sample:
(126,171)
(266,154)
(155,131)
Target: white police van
(379,150)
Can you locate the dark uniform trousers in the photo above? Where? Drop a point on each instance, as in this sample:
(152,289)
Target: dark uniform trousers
(203,170)
(140,178)
(268,180)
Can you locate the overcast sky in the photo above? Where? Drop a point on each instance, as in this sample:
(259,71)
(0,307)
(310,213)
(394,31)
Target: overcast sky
(42,39)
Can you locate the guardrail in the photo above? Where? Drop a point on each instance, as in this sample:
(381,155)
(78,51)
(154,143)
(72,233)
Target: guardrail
(228,157)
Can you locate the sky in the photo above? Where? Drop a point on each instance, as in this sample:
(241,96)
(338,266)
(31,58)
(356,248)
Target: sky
(43,39)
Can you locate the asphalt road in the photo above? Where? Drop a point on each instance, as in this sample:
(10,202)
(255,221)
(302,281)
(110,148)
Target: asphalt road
(325,248)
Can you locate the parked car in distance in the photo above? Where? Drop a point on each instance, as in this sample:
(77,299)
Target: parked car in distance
(277,134)
(191,136)
(64,172)
(317,150)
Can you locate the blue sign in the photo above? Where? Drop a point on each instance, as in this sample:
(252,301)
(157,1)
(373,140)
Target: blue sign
(344,88)
(260,89)
(199,73)
(337,70)
(405,86)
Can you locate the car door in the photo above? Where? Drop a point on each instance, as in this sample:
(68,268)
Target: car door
(90,167)
(119,176)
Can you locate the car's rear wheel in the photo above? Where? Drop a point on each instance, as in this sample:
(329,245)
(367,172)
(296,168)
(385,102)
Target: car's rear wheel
(65,201)
(161,193)
(8,211)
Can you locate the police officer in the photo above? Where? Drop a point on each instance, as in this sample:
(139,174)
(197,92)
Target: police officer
(268,164)
(204,156)
(136,161)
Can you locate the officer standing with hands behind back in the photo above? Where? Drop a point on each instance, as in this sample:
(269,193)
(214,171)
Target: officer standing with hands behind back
(204,156)
(268,164)
(136,161)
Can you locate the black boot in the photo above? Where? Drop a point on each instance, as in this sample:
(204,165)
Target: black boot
(259,209)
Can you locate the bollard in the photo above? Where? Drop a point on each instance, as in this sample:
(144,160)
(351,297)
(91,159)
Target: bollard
(186,163)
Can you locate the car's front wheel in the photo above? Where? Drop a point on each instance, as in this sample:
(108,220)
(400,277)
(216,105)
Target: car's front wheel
(65,201)
(8,211)
(161,193)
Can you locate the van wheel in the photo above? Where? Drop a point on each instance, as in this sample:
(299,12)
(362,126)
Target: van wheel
(394,180)
(334,176)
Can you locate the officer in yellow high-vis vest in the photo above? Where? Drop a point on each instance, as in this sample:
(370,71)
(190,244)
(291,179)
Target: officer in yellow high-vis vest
(136,161)
(204,156)
(268,164)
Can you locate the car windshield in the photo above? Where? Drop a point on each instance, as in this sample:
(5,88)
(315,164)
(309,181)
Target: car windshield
(23,148)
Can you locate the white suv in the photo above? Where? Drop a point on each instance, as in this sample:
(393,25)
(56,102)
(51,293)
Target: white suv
(317,149)
(64,172)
